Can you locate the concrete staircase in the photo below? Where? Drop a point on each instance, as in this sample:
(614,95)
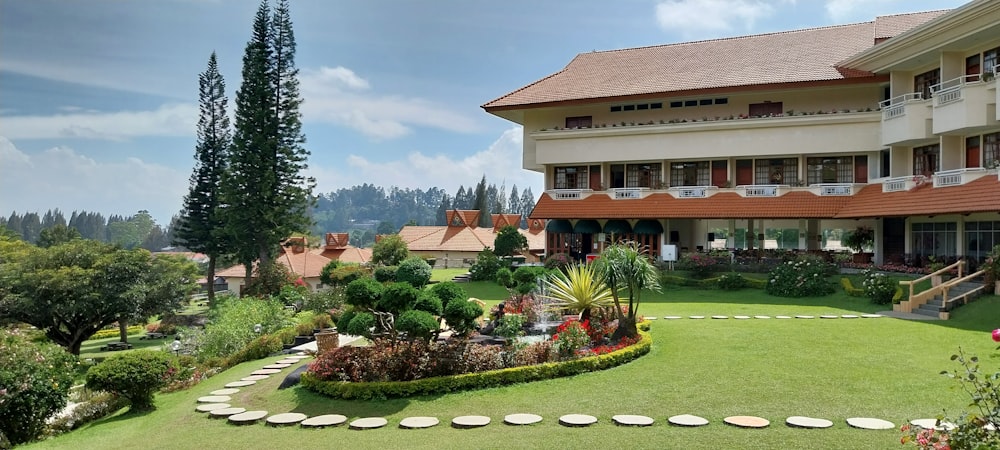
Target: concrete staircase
(936,304)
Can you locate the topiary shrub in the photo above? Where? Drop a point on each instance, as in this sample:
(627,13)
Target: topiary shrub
(429,302)
(34,382)
(448,291)
(486,266)
(398,297)
(363,293)
(361,324)
(417,324)
(135,375)
(325,275)
(462,316)
(385,274)
(415,271)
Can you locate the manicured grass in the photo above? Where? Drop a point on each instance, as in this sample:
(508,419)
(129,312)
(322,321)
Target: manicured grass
(834,369)
(92,348)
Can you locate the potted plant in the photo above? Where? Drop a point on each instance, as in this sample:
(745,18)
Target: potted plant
(858,240)
(934,265)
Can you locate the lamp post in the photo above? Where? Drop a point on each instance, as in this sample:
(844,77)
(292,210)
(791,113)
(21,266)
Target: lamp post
(176,346)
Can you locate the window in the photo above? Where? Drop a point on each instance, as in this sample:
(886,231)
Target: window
(643,175)
(628,108)
(937,239)
(838,169)
(705,101)
(990,58)
(925,160)
(572,178)
(616,109)
(722,101)
(776,171)
(676,104)
(991,150)
(922,83)
(972,67)
(689,173)
(656,106)
(578,122)
(766,109)
(980,237)
(642,107)
(618,175)
(691,103)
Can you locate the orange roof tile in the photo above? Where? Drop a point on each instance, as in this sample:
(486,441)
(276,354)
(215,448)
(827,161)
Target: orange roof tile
(889,26)
(458,239)
(348,254)
(303,264)
(981,195)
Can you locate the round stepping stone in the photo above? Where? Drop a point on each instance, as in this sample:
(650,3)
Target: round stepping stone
(808,422)
(414,423)
(741,317)
(828,316)
(697,317)
(577,420)
(286,361)
(868,423)
(214,399)
(761,317)
(782,317)
(521,419)
(871,316)
(629,420)
(747,421)
(277,366)
(229,391)
(326,420)
(255,378)
(671,317)
(236,384)
(208,407)
(649,318)
(301,354)
(265,372)
(720,317)
(931,424)
(225,412)
(368,423)
(470,421)
(849,316)
(805,317)
(687,420)
(285,419)
(247,417)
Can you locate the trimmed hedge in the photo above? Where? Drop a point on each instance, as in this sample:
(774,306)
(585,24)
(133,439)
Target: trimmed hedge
(479,380)
(850,289)
(101,334)
(709,282)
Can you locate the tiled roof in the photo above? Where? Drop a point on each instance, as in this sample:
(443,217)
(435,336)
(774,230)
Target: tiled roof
(301,264)
(458,239)
(889,26)
(981,195)
(347,254)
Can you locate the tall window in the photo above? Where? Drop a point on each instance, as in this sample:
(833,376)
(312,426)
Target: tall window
(776,171)
(925,160)
(578,122)
(980,237)
(643,175)
(991,150)
(618,175)
(972,67)
(572,178)
(990,59)
(690,173)
(838,169)
(922,83)
(937,239)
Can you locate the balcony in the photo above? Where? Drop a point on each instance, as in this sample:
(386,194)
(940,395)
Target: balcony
(569,194)
(960,104)
(906,119)
(899,184)
(692,191)
(958,177)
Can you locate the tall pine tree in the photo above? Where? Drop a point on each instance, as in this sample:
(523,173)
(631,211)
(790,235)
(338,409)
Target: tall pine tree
(200,226)
(267,196)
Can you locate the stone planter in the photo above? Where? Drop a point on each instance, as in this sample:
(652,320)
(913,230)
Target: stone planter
(327,340)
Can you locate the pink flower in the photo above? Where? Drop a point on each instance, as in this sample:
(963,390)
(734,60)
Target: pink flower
(996,335)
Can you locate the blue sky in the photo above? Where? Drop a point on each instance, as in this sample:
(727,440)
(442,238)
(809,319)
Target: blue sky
(98,98)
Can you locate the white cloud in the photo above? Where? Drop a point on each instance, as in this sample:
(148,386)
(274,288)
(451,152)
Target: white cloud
(167,120)
(708,18)
(62,178)
(339,96)
(500,162)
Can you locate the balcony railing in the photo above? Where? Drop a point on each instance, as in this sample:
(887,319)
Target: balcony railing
(835,189)
(760,190)
(568,194)
(896,106)
(951,90)
(628,193)
(693,191)
(897,184)
(958,177)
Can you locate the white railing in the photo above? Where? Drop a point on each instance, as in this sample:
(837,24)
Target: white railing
(951,91)
(692,191)
(567,194)
(627,193)
(835,189)
(958,177)
(897,184)
(760,191)
(896,106)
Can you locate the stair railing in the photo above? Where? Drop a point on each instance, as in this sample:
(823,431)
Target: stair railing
(919,298)
(964,296)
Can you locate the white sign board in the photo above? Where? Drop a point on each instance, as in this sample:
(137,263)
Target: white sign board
(668,252)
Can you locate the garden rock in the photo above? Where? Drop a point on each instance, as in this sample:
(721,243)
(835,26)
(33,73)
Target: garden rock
(293,378)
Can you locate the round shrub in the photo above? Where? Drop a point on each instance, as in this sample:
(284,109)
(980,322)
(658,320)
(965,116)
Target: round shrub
(34,382)
(390,250)
(505,278)
(486,266)
(803,277)
(462,315)
(732,282)
(879,287)
(417,324)
(385,274)
(414,270)
(398,297)
(363,292)
(361,324)
(448,291)
(135,375)
(429,302)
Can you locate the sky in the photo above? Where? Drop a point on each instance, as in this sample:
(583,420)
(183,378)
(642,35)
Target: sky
(98,98)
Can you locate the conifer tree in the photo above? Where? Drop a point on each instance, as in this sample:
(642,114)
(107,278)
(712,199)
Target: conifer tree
(200,226)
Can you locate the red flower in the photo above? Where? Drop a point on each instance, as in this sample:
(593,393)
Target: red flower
(996,335)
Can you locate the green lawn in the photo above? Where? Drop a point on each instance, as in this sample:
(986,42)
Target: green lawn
(92,348)
(833,369)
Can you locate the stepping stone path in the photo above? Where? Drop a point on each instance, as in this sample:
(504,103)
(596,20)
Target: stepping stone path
(808,422)
(649,318)
(720,317)
(265,372)
(229,391)
(255,378)
(521,419)
(286,361)
(225,412)
(418,422)
(687,420)
(207,407)
(871,316)
(761,317)
(868,423)
(470,421)
(804,317)
(326,420)
(277,366)
(237,384)
(671,317)
(368,423)
(741,317)
(747,421)
(782,317)
(931,424)
(829,317)
(283,419)
(697,317)
(849,316)
(247,417)
(628,420)
(214,399)
(577,420)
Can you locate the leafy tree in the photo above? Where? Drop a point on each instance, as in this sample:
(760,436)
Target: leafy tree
(268,280)
(201,224)
(386,227)
(74,289)
(486,266)
(509,241)
(625,265)
(481,203)
(34,383)
(390,250)
(57,234)
(266,196)
(441,216)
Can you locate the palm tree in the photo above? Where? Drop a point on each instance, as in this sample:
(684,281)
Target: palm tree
(580,289)
(625,265)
